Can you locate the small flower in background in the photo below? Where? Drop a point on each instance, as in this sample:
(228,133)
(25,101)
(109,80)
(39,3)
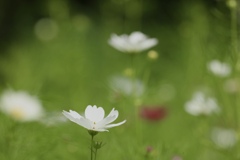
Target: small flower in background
(94,120)
(21,106)
(127,86)
(232,3)
(153,113)
(232,86)
(224,138)
(46,29)
(219,68)
(201,105)
(134,43)
(177,158)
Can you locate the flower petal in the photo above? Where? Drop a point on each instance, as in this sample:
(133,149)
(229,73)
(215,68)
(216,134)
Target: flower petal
(84,123)
(118,42)
(114,125)
(76,118)
(69,116)
(74,114)
(137,37)
(148,44)
(94,114)
(110,118)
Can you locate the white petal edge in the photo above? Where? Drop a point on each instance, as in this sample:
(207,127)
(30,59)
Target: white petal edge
(74,114)
(114,125)
(69,116)
(79,120)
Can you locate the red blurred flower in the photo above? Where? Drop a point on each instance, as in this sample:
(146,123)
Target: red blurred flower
(177,158)
(149,149)
(153,113)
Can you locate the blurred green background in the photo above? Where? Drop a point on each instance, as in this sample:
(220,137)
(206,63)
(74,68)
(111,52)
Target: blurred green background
(55,42)
(59,51)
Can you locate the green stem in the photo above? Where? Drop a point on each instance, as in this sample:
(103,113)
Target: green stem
(134,95)
(96,154)
(132,57)
(147,75)
(234,41)
(146,156)
(92,142)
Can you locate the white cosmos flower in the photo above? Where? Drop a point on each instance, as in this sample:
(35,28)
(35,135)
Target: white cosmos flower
(94,118)
(21,106)
(134,43)
(201,105)
(219,68)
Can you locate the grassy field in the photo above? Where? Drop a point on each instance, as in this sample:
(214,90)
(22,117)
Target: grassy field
(68,64)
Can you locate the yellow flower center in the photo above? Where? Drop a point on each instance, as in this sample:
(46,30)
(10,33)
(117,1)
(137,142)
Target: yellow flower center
(17,113)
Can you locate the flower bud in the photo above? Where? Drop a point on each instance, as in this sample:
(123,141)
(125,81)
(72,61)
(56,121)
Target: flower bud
(152,55)
(97,145)
(128,72)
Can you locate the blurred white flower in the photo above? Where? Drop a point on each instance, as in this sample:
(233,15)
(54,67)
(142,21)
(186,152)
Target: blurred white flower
(219,68)
(201,105)
(127,86)
(46,29)
(53,118)
(94,118)
(21,106)
(134,43)
(224,138)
